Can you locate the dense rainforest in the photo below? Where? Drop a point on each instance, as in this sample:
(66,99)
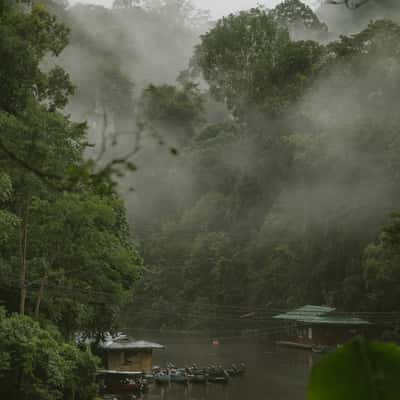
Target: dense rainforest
(285,189)
(257,156)
(159,169)
(67,259)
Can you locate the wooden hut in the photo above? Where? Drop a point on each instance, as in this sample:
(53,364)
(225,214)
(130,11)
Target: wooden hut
(125,354)
(311,326)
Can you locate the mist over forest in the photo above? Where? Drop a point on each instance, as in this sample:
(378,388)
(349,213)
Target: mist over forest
(253,162)
(267,149)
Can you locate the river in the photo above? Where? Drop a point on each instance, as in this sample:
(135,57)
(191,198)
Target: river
(273,372)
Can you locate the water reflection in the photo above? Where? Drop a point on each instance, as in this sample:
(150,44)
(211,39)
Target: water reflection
(273,372)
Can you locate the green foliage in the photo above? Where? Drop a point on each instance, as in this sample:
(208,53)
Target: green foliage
(249,59)
(360,370)
(5,186)
(89,230)
(289,184)
(37,366)
(8,225)
(35,137)
(66,254)
(30,37)
(8,221)
(296,15)
(169,106)
(65,245)
(381,267)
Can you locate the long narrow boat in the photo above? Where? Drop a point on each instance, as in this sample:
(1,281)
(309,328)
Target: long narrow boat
(178,376)
(218,375)
(235,370)
(198,377)
(322,349)
(162,378)
(149,378)
(218,379)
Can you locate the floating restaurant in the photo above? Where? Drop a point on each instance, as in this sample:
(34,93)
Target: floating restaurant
(312,326)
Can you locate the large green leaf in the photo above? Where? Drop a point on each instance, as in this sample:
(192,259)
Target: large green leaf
(360,370)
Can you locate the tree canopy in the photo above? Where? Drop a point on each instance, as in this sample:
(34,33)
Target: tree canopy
(290,183)
(66,246)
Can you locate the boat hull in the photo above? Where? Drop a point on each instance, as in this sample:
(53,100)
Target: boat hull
(218,379)
(198,379)
(162,379)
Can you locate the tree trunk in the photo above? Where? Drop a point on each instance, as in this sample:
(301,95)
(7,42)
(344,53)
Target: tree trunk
(23,250)
(43,283)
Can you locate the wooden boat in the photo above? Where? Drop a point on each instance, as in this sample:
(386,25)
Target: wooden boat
(218,375)
(149,378)
(121,382)
(198,377)
(162,378)
(322,349)
(124,387)
(178,376)
(218,379)
(235,370)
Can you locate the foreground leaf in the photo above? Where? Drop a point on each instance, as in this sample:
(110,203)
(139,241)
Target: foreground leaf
(359,371)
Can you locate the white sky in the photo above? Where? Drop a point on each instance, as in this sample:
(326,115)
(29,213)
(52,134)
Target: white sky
(224,7)
(217,7)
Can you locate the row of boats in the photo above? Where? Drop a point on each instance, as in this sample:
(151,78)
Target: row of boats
(194,374)
(133,383)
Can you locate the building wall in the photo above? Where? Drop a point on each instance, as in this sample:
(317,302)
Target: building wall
(324,335)
(130,360)
(334,335)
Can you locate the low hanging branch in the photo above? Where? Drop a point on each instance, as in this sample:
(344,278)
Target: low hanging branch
(66,183)
(103,144)
(14,157)
(44,176)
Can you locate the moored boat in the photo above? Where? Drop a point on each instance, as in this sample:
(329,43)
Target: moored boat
(162,378)
(121,382)
(218,379)
(198,376)
(178,376)
(236,370)
(149,378)
(322,349)
(218,375)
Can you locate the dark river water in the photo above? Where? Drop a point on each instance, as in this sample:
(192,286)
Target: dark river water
(273,372)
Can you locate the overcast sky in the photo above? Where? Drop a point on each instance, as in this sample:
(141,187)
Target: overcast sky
(217,7)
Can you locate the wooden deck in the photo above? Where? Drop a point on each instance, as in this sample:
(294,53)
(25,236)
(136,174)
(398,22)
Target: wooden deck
(294,344)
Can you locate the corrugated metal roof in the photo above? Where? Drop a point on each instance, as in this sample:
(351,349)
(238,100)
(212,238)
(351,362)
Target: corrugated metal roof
(320,315)
(306,311)
(339,320)
(128,344)
(111,372)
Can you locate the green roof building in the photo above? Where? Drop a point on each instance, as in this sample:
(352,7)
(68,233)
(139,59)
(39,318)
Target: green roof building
(312,326)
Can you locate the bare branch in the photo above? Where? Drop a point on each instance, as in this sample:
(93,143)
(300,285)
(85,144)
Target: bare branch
(103,147)
(123,159)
